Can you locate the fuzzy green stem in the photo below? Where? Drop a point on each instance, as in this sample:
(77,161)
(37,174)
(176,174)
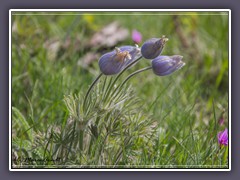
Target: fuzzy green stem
(135,73)
(90,88)
(129,65)
(130,76)
(96,80)
(118,76)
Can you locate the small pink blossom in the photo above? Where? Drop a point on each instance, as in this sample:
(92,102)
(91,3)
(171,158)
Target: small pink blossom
(136,36)
(223,137)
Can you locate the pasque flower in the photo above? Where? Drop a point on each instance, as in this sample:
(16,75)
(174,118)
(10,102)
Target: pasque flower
(136,36)
(113,62)
(165,65)
(223,137)
(153,47)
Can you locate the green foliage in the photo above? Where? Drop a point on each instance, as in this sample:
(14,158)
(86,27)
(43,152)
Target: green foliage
(108,127)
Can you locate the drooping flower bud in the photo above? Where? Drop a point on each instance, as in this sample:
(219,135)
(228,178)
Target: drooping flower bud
(153,47)
(165,65)
(113,62)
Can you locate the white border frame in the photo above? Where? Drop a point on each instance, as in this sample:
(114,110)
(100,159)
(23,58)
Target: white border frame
(117,10)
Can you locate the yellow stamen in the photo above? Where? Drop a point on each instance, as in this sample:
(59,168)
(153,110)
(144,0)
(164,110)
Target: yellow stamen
(122,56)
(164,38)
(117,50)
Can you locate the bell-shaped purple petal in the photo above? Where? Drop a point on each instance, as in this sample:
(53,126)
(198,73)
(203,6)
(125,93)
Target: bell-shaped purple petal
(110,64)
(153,47)
(223,137)
(113,62)
(165,65)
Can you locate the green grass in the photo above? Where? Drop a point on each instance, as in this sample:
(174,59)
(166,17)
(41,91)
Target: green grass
(157,122)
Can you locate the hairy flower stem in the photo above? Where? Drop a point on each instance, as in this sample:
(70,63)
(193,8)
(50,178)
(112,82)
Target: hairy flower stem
(96,80)
(135,73)
(130,76)
(129,65)
(118,76)
(90,88)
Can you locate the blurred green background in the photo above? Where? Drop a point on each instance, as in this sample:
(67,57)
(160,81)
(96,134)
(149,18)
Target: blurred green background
(47,63)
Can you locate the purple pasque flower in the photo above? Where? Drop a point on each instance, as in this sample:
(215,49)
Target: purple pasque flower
(113,62)
(165,65)
(136,36)
(223,137)
(153,47)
